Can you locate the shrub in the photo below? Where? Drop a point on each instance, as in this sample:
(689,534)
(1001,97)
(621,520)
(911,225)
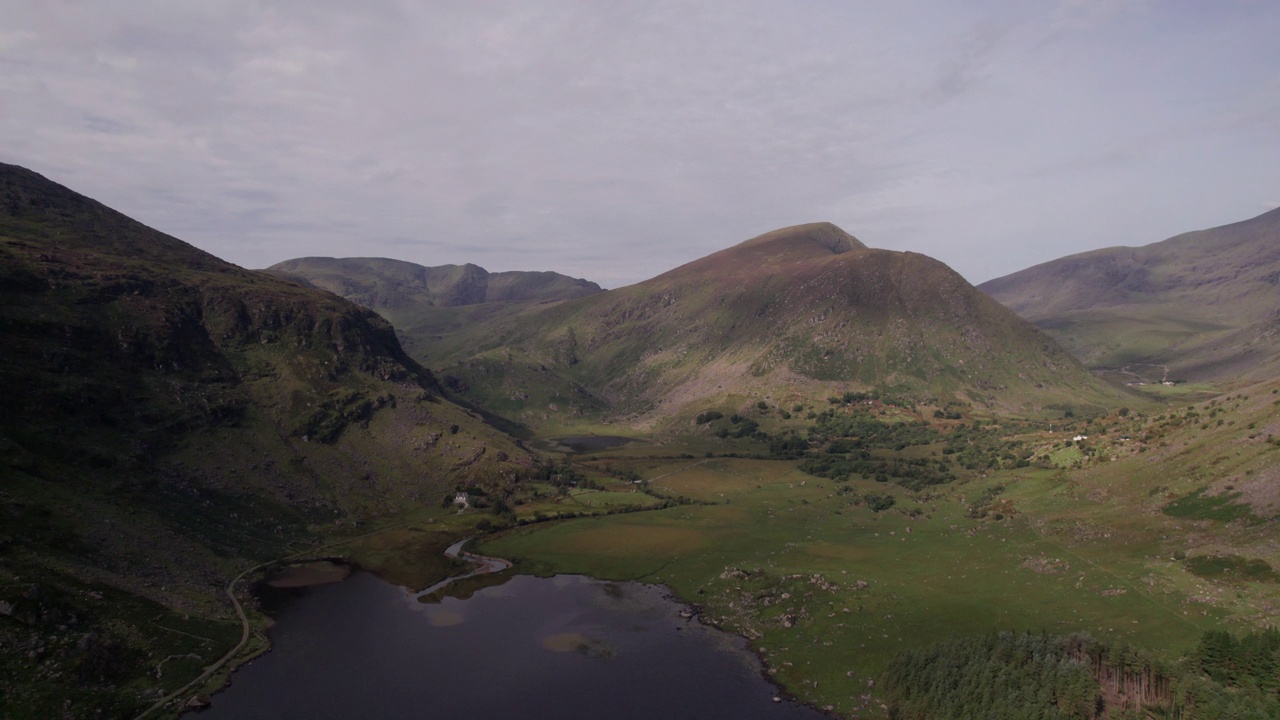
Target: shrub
(708,416)
(877,502)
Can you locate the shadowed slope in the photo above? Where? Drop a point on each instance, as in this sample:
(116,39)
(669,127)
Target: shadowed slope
(171,419)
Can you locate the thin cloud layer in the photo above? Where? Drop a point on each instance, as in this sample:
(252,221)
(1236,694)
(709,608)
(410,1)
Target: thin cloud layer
(615,141)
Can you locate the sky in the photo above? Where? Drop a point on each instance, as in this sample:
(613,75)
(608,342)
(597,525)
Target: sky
(614,141)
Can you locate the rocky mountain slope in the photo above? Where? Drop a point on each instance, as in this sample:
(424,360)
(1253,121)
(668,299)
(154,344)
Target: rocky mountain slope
(380,283)
(1201,306)
(792,315)
(171,419)
(429,305)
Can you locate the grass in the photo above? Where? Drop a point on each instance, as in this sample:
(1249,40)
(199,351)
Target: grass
(1082,539)
(829,591)
(135,491)
(413,556)
(1184,392)
(1066,457)
(1232,568)
(1215,507)
(773,327)
(1135,310)
(607,499)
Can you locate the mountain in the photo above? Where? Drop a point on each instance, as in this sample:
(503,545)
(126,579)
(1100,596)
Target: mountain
(787,317)
(170,420)
(380,283)
(1201,306)
(427,305)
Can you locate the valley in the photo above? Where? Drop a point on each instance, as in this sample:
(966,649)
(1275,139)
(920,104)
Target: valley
(831,582)
(848,456)
(793,315)
(1198,307)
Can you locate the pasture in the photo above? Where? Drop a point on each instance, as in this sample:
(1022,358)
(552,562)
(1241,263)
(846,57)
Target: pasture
(828,590)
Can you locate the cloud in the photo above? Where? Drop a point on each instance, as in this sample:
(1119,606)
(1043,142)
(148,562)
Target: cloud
(614,141)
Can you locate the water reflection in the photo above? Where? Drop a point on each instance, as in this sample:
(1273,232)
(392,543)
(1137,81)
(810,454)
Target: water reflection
(564,647)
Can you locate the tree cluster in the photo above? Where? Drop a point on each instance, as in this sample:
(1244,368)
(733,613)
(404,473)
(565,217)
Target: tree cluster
(871,432)
(1044,677)
(911,473)
(1006,676)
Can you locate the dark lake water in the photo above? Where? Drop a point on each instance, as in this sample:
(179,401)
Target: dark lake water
(557,648)
(592,443)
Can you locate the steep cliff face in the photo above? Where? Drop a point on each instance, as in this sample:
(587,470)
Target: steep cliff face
(170,420)
(118,332)
(433,307)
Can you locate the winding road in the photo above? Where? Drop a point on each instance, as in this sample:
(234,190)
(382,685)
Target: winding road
(487,565)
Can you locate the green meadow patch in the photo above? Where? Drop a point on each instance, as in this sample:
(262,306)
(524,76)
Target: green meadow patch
(1232,567)
(830,581)
(603,498)
(1066,457)
(1198,506)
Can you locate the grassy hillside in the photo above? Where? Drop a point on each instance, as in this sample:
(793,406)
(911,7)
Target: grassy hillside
(1144,531)
(171,420)
(789,317)
(1201,306)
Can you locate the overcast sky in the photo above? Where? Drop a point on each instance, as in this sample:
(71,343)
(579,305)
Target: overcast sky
(616,140)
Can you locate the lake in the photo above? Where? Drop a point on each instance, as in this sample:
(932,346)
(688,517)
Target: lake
(592,443)
(558,648)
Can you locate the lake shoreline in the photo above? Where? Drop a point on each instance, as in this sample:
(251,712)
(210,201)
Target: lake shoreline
(634,642)
(306,575)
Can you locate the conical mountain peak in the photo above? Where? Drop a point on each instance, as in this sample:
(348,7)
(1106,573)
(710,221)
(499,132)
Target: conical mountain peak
(808,237)
(811,242)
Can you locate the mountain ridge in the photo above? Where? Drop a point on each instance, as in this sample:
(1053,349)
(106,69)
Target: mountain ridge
(431,307)
(808,306)
(794,243)
(383,283)
(1184,302)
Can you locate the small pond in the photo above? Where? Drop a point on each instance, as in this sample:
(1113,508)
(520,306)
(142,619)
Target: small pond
(557,648)
(592,443)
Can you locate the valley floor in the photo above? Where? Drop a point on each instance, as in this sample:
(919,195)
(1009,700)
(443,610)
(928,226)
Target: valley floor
(832,579)
(829,591)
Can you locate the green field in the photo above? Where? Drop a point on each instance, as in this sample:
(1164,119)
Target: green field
(1146,534)
(829,591)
